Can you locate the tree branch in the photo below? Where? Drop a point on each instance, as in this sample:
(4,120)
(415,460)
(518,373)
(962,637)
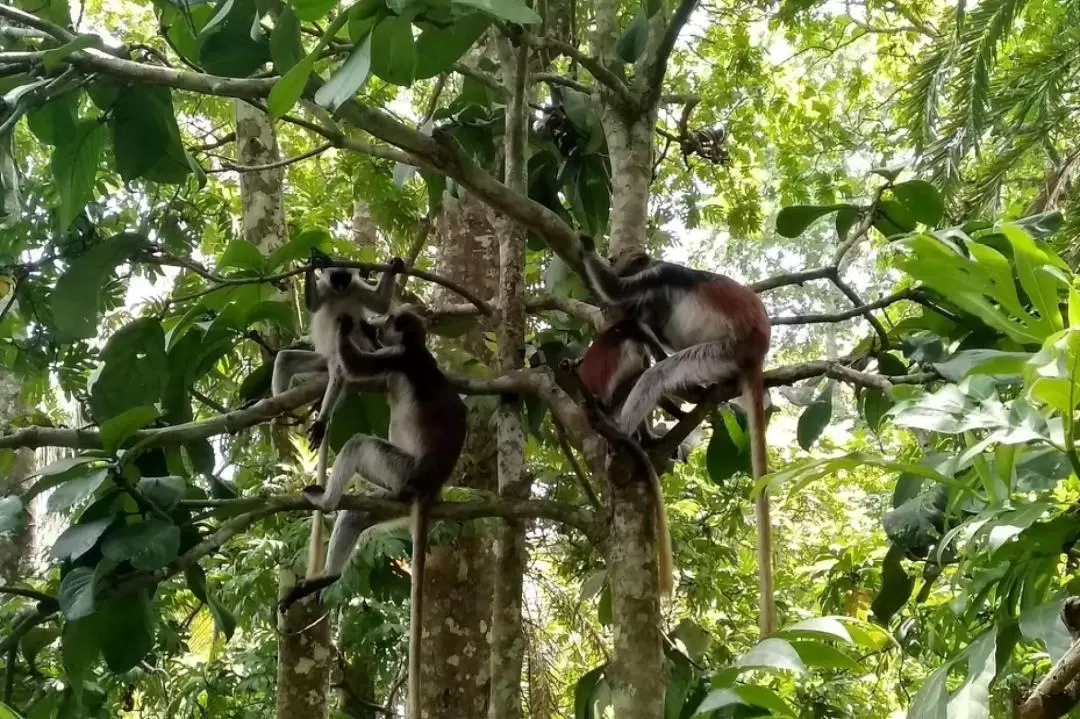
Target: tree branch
(230,167)
(594,66)
(892,299)
(658,66)
(1058,692)
(33,21)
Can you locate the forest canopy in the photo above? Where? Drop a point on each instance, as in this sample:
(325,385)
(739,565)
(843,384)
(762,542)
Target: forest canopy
(895,179)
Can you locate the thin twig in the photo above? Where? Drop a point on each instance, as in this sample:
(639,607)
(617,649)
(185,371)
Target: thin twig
(230,167)
(568,452)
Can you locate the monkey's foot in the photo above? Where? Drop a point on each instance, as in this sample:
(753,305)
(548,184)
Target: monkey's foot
(397,264)
(317,433)
(316,496)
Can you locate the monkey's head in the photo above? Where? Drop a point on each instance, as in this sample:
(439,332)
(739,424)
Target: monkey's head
(340,282)
(403,327)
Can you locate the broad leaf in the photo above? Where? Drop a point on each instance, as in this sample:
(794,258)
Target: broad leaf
(585,693)
(75,490)
(56,121)
(285,47)
(774,654)
(631,44)
(514,11)
(921,200)
(146,138)
(983,361)
(148,545)
(74,167)
(815,418)
(917,523)
(972,699)
(896,586)
(820,626)
(125,630)
(164,492)
(793,221)
(226,46)
(729,448)
(825,656)
(348,79)
(1043,623)
(438,48)
(12,514)
(118,429)
(79,651)
(79,539)
(134,370)
(242,255)
(76,594)
(392,51)
(287,90)
(54,58)
(76,301)
(744,695)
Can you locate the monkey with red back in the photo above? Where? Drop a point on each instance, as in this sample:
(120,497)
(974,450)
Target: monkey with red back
(717,330)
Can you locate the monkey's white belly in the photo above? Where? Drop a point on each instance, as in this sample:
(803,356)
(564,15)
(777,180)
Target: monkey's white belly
(693,321)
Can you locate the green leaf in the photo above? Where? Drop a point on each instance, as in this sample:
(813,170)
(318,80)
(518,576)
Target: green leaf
(299,247)
(825,656)
(12,514)
(1040,277)
(164,492)
(793,221)
(774,654)
(349,78)
(225,44)
(896,586)
(744,695)
(972,699)
(392,50)
(134,370)
(78,650)
(125,630)
(819,626)
(875,404)
(312,10)
(286,49)
(148,545)
(76,301)
(57,120)
(115,431)
(983,361)
(287,90)
(921,201)
(242,255)
(438,48)
(1043,623)
(729,449)
(54,58)
(585,693)
(631,44)
(815,418)
(514,11)
(75,490)
(76,594)
(917,523)
(845,218)
(604,609)
(74,166)
(146,139)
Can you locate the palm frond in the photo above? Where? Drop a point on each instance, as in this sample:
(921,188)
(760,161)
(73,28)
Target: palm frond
(985,30)
(922,105)
(981,193)
(1067,239)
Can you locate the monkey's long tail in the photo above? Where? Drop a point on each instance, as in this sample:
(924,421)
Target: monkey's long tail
(754,399)
(665,562)
(316,556)
(421,515)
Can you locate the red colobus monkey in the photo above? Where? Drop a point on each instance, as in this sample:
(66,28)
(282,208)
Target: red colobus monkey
(427,434)
(717,330)
(329,294)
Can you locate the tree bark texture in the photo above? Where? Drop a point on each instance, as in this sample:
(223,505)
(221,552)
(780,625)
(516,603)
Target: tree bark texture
(15,548)
(511,553)
(637,673)
(305,653)
(455,674)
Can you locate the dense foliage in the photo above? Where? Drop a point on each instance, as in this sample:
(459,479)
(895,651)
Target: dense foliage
(923,444)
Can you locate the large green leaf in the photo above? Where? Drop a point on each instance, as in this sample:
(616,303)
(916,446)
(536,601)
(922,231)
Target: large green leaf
(819,626)
(79,650)
(514,11)
(287,90)
(917,523)
(825,656)
(242,255)
(793,221)
(438,48)
(125,630)
(631,44)
(148,545)
(921,200)
(116,430)
(76,594)
(983,361)
(729,448)
(312,10)
(773,654)
(744,695)
(133,372)
(393,51)
(1043,280)
(972,699)
(146,139)
(79,539)
(1043,623)
(285,47)
(348,79)
(815,418)
(225,44)
(164,492)
(585,693)
(57,120)
(74,167)
(76,301)
(75,490)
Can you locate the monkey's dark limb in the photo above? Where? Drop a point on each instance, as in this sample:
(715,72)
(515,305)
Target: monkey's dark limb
(304,588)
(317,433)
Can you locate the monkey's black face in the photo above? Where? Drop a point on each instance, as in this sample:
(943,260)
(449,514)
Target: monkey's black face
(340,278)
(404,328)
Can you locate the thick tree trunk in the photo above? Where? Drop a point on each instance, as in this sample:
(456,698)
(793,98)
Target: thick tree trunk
(637,674)
(457,594)
(15,548)
(511,555)
(305,653)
